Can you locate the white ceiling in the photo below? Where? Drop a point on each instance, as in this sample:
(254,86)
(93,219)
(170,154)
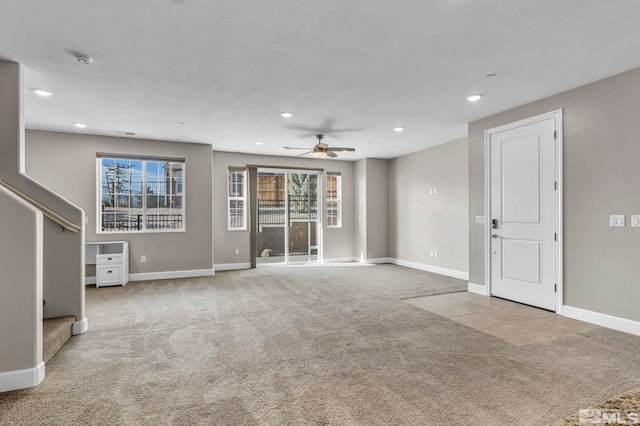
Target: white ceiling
(227,68)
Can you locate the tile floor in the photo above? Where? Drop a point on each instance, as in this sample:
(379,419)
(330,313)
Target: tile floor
(517,324)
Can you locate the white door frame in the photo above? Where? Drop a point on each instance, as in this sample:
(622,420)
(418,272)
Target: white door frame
(557,115)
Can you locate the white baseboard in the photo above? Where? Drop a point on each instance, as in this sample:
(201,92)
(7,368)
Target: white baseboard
(80,327)
(429,268)
(231,266)
(339,260)
(378,260)
(477,288)
(89,280)
(171,275)
(21,379)
(609,321)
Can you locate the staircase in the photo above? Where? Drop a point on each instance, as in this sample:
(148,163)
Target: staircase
(55,333)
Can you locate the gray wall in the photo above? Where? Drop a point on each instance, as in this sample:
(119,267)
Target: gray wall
(338,242)
(360,230)
(371,234)
(601,176)
(377,189)
(67,164)
(420,222)
(20,284)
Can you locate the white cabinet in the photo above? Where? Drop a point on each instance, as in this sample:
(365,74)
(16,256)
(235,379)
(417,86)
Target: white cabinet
(111,260)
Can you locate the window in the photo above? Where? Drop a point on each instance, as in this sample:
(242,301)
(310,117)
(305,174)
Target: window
(334,200)
(237,199)
(137,195)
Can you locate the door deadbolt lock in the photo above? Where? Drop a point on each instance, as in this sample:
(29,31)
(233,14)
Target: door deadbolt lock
(494,223)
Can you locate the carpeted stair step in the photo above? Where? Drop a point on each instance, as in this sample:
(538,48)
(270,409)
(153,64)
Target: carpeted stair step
(55,333)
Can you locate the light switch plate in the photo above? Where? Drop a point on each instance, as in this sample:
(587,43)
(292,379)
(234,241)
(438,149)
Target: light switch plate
(616,220)
(480,220)
(635,220)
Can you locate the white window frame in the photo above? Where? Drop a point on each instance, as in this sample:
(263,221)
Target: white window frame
(231,197)
(144,194)
(337,200)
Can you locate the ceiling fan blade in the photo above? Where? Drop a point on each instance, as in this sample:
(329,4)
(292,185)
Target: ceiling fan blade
(331,154)
(307,129)
(305,153)
(293,147)
(341,149)
(332,131)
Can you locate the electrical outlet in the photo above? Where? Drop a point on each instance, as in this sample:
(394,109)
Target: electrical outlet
(435,253)
(616,220)
(431,253)
(237,251)
(143,259)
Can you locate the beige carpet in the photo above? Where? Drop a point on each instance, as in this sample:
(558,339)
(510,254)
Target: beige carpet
(310,346)
(55,333)
(623,409)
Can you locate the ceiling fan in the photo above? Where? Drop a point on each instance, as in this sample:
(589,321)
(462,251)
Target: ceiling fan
(322,149)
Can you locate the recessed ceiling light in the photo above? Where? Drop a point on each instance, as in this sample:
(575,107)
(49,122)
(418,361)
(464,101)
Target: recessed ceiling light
(258,143)
(474,98)
(42,93)
(83,59)
(398,129)
(286,114)
(80,125)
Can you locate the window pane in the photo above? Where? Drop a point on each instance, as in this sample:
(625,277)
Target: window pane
(163,202)
(236,214)
(176,219)
(121,201)
(236,184)
(136,187)
(123,184)
(106,162)
(333,200)
(176,186)
(236,199)
(106,221)
(136,169)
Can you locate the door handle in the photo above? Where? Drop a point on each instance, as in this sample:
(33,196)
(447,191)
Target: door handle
(494,236)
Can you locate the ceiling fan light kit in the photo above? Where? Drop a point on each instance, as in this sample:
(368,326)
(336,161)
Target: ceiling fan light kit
(322,150)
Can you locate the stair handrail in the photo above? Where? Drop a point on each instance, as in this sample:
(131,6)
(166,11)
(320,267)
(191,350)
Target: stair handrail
(50,214)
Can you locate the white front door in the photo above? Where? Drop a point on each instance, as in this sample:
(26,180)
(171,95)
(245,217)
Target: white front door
(523,212)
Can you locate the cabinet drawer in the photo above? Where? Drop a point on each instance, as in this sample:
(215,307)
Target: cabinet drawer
(109,258)
(109,275)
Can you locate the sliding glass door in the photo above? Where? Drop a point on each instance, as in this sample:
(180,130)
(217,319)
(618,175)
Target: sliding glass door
(287,217)
(302,242)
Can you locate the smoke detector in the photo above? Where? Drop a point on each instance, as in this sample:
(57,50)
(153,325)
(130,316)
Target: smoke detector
(83,59)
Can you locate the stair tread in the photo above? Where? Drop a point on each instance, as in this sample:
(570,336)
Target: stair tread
(55,333)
